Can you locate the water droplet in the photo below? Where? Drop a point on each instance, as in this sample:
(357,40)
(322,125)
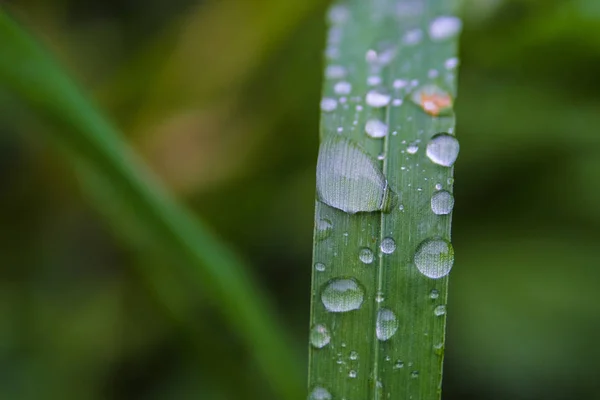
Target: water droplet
(434,258)
(374,80)
(379,297)
(386,325)
(399,364)
(438,349)
(400,83)
(388,245)
(444,27)
(350,180)
(319,336)
(320,393)
(352,374)
(335,72)
(342,87)
(451,63)
(377,98)
(412,148)
(433,100)
(412,37)
(328,104)
(432,73)
(376,128)
(434,294)
(442,203)
(324,229)
(366,255)
(439,311)
(397,102)
(438,186)
(414,374)
(320,267)
(353,355)
(338,14)
(341,295)
(443,149)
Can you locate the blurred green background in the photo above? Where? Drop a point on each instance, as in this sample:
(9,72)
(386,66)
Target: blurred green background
(221,98)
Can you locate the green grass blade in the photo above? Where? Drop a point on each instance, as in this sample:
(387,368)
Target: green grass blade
(398,48)
(28,71)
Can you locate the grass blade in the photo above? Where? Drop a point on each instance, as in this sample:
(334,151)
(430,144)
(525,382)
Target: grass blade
(379,284)
(27,70)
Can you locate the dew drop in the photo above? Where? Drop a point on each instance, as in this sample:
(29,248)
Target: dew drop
(400,83)
(352,374)
(319,336)
(338,14)
(434,258)
(374,80)
(399,364)
(433,100)
(397,102)
(353,355)
(412,37)
(412,148)
(443,149)
(335,72)
(377,98)
(434,294)
(320,267)
(386,325)
(414,374)
(442,203)
(388,245)
(342,294)
(349,180)
(366,255)
(324,229)
(438,349)
(376,128)
(328,104)
(439,311)
(438,186)
(451,63)
(342,87)
(444,27)
(379,297)
(320,393)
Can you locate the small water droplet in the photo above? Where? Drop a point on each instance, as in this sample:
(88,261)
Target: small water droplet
(451,63)
(386,325)
(342,87)
(412,148)
(433,100)
(444,27)
(379,297)
(434,294)
(320,267)
(328,104)
(320,393)
(352,374)
(376,128)
(342,294)
(432,73)
(338,14)
(324,229)
(335,71)
(442,202)
(439,311)
(434,258)
(366,255)
(399,364)
(319,336)
(414,374)
(374,80)
(388,245)
(400,83)
(350,180)
(438,349)
(397,102)
(438,186)
(354,355)
(443,149)
(412,37)
(377,98)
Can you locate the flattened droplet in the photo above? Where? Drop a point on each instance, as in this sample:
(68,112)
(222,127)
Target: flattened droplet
(443,149)
(433,100)
(386,325)
(349,180)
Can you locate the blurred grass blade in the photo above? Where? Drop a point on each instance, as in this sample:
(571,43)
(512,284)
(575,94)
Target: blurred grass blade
(382,252)
(27,70)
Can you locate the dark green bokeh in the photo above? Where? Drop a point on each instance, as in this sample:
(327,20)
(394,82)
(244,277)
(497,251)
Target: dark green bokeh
(221,98)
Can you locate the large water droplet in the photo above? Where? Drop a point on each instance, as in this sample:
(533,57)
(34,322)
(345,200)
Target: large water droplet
(434,258)
(443,149)
(319,393)
(350,180)
(444,27)
(341,295)
(324,229)
(388,245)
(328,104)
(377,98)
(442,202)
(433,100)
(386,325)
(366,255)
(319,336)
(376,128)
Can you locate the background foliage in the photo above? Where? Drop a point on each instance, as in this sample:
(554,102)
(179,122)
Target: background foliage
(221,98)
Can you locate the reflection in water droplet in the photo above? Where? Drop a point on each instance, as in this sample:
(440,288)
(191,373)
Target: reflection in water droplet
(328,104)
(444,27)
(366,255)
(388,245)
(319,336)
(434,258)
(442,203)
(320,267)
(443,149)
(377,98)
(319,393)
(350,180)
(324,229)
(434,294)
(386,325)
(433,100)
(439,311)
(376,128)
(341,295)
